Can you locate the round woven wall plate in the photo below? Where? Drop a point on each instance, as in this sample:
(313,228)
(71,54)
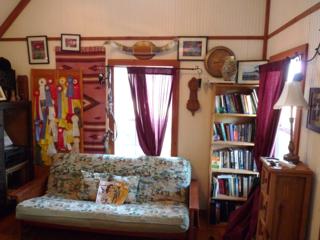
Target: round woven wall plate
(214,60)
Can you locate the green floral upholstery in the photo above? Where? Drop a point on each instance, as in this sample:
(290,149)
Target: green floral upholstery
(168,217)
(160,178)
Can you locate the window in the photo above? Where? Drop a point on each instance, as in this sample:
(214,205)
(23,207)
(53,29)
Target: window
(283,132)
(127,141)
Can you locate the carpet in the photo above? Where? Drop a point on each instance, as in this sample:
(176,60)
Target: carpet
(91,60)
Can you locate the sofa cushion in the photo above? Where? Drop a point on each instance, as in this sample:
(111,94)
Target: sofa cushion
(174,172)
(112,192)
(89,185)
(164,217)
(132,182)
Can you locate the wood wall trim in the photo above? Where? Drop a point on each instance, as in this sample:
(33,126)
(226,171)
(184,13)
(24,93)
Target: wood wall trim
(175,95)
(266,30)
(303,51)
(126,38)
(235,37)
(304,14)
(12,16)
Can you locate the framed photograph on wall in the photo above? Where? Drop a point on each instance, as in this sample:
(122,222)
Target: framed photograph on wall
(313,121)
(38,49)
(248,71)
(70,42)
(192,48)
(2,95)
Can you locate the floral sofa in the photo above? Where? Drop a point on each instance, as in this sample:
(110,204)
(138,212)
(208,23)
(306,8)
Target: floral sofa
(164,205)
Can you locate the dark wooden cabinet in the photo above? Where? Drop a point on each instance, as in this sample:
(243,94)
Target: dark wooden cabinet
(284,202)
(16,162)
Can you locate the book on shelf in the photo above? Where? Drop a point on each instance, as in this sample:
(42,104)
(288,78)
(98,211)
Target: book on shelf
(234,158)
(242,132)
(220,211)
(237,103)
(231,185)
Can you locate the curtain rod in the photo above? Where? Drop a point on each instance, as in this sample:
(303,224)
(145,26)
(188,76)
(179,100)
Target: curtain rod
(178,68)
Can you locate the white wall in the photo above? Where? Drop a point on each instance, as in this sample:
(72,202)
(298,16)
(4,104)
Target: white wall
(148,18)
(6,6)
(304,31)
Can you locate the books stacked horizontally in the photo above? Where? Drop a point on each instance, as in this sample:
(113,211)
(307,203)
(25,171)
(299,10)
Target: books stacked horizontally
(235,158)
(237,103)
(243,132)
(231,185)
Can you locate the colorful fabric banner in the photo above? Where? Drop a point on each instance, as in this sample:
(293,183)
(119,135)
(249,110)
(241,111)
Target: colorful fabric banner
(91,60)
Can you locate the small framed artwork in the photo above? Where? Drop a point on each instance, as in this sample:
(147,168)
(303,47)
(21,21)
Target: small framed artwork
(192,48)
(313,121)
(248,71)
(38,49)
(2,95)
(70,42)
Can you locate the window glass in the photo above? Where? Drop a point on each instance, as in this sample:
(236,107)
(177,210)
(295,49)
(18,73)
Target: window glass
(127,143)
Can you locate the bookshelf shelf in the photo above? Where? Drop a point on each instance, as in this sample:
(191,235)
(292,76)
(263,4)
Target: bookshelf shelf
(229,198)
(234,143)
(227,115)
(234,171)
(231,172)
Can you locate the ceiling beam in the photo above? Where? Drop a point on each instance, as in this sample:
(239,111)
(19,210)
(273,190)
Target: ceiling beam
(13,15)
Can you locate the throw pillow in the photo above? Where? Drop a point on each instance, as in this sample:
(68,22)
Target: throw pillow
(112,192)
(132,182)
(89,185)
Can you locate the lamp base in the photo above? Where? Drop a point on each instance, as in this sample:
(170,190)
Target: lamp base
(290,157)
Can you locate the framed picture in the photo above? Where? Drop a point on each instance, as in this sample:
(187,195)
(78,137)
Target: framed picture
(248,71)
(70,42)
(2,95)
(192,48)
(38,49)
(313,121)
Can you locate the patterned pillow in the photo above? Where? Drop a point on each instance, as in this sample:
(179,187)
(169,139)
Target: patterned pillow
(112,192)
(89,185)
(132,182)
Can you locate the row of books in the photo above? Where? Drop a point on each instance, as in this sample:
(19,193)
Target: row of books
(236,158)
(220,211)
(237,103)
(231,185)
(243,132)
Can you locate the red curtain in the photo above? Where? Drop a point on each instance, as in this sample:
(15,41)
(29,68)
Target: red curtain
(242,222)
(151,91)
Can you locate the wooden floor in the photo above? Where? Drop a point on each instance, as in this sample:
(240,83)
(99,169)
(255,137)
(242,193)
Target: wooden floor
(9,229)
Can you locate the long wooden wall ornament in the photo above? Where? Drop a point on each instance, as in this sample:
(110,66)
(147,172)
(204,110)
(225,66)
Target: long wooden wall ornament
(143,50)
(57,112)
(13,15)
(193,104)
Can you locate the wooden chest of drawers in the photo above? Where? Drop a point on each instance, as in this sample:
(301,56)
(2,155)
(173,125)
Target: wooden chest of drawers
(284,202)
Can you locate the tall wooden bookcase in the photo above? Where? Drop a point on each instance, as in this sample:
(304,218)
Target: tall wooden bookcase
(231,167)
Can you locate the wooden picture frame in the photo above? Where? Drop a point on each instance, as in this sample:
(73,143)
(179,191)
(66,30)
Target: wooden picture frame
(313,120)
(248,71)
(192,48)
(2,95)
(70,42)
(38,49)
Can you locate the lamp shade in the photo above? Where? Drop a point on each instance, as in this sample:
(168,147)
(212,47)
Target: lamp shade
(291,96)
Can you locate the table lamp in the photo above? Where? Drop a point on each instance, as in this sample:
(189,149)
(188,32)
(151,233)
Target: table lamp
(291,96)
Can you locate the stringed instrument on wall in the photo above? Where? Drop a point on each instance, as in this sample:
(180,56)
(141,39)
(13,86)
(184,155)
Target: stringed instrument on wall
(193,103)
